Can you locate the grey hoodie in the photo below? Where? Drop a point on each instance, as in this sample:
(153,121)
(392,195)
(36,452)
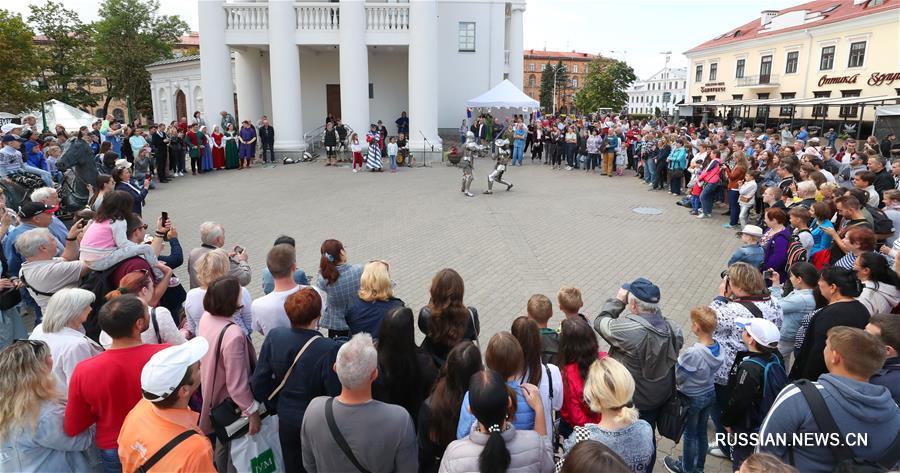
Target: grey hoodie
(858,408)
(696,369)
(643,343)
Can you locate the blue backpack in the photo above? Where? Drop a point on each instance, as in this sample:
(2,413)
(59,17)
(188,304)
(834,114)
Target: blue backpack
(774,380)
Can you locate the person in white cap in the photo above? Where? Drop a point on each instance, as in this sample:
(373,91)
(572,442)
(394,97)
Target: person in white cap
(161,433)
(750,253)
(11,129)
(756,378)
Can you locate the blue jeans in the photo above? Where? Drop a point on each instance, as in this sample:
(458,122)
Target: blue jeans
(109,461)
(695,204)
(707,196)
(733,208)
(570,154)
(649,169)
(593,161)
(695,438)
(46,176)
(393,162)
(518,152)
(650,416)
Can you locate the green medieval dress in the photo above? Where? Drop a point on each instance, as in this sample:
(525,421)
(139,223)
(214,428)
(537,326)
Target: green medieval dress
(231,151)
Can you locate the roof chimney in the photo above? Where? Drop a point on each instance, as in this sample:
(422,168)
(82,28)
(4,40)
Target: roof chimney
(766,16)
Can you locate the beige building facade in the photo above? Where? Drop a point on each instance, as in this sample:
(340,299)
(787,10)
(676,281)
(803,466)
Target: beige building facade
(816,62)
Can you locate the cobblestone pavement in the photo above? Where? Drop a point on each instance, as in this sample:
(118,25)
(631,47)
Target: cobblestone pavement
(554,228)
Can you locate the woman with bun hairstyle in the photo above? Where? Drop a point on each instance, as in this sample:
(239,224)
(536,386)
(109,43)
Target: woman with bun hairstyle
(840,287)
(880,283)
(339,280)
(494,444)
(162,328)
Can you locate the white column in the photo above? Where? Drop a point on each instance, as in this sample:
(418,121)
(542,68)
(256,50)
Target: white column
(247,69)
(354,66)
(215,61)
(284,61)
(423,74)
(516,46)
(496,32)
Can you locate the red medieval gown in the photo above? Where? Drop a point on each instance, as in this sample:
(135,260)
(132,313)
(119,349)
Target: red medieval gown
(218,151)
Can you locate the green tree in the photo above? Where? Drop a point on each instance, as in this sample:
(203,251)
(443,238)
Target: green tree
(129,35)
(562,81)
(66,57)
(605,86)
(20,65)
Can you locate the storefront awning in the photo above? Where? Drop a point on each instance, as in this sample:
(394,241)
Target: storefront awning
(807,102)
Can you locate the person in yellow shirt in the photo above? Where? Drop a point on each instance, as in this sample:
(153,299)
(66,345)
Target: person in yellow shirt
(161,433)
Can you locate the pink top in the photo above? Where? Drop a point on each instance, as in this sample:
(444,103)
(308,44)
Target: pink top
(234,364)
(102,237)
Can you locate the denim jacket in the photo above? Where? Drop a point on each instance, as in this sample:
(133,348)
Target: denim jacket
(750,254)
(795,306)
(46,447)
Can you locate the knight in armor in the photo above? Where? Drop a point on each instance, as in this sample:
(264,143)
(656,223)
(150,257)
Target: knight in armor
(468,163)
(503,158)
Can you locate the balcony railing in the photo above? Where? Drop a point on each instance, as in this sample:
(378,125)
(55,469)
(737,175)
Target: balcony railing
(246,16)
(318,16)
(769,80)
(387,17)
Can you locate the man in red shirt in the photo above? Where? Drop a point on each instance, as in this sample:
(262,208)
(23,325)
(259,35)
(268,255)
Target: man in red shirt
(103,389)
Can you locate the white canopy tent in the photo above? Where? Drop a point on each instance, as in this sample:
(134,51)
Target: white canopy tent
(59,113)
(505,95)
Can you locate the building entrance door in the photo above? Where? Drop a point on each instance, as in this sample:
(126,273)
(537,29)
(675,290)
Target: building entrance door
(333,99)
(180,105)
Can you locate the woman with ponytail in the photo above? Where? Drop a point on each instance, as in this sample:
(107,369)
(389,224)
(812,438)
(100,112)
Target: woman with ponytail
(162,327)
(840,287)
(340,282)
(494,445)
(880,282)
(609,389)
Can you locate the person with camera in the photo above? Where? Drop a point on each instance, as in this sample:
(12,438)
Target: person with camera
(212,236)
(742,294)
(645,342)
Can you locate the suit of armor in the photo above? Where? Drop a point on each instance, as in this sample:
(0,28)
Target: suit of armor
(468,163)
(503,159)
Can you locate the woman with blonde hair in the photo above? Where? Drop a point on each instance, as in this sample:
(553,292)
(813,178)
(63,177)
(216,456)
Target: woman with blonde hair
(609,390)
(376,298)
(162,327)
(62,331)
(32,413)
(211,266)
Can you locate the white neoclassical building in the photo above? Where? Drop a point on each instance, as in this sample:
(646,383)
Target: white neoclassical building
(362,61)
(663,90)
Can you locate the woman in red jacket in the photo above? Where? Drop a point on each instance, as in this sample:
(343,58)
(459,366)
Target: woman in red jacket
(708,182)
(578,349)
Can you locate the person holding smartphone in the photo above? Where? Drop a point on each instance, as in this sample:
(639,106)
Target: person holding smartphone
(122,176)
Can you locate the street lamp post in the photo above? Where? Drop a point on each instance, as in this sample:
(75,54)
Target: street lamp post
(555,71)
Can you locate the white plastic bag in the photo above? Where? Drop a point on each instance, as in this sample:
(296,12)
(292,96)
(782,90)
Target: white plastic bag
(260,453)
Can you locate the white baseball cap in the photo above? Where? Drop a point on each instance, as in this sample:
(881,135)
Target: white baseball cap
(9,127)
(764,332)
(165,370)
(122,163)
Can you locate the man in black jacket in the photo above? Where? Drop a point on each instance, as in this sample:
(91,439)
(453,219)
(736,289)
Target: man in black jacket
(883,178)
(160,146)
(267,139)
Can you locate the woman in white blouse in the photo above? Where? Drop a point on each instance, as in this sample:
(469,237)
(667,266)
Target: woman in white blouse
(61,330)
(162,327)
(210,267)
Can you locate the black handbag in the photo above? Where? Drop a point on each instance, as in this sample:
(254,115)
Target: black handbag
(673,414)
(226,417)
(9,298)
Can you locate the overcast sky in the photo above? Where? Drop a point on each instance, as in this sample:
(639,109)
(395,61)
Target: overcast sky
(636,31)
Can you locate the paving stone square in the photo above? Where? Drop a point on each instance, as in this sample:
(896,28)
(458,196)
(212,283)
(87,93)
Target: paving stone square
(554,228)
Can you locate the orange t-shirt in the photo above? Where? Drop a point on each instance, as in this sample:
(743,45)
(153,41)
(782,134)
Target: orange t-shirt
(147,429)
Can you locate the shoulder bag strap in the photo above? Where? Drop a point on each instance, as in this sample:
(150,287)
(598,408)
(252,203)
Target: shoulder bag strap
(892,454)
(752,308)
(162,452)
(823,418)
(338,437)
(155,325)
(287,373)
(550,384)
(215,366)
